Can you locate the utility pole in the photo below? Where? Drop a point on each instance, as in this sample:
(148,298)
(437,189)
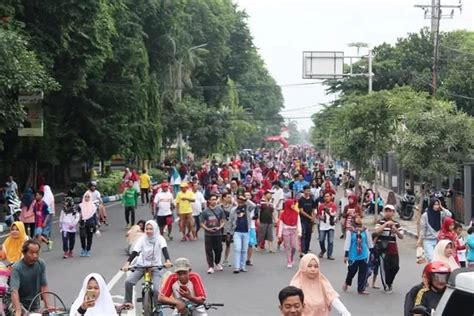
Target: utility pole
(435,13)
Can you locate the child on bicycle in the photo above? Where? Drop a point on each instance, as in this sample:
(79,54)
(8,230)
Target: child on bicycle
(182,288)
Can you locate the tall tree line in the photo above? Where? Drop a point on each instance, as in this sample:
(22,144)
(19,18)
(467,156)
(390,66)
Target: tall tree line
(126,77)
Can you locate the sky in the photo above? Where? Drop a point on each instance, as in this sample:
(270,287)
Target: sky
(283,29)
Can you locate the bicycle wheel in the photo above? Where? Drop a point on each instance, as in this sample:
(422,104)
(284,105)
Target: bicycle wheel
(147,301)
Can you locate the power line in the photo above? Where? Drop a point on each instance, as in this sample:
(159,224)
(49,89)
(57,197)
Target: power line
(302,108)
(457,50)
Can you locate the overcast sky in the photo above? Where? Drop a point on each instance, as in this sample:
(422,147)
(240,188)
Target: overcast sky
(283,29)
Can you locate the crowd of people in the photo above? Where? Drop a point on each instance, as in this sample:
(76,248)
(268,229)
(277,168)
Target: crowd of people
(256,202)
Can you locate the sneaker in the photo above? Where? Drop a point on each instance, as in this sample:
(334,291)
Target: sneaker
(66,255)
(331,258)
(244,270)
(128,226)
(236,271)
(226,263)
(248,263)
(88,253)
(170,237)
(50,245)
(219,267)
(289,265)
(70,254)
(83,253)
(388,289)
(210,270)
(321,254)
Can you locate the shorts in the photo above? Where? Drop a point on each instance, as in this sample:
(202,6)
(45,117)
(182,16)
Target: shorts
(228,239)
(265,232)
(38,231)
(164,220)
(252,237)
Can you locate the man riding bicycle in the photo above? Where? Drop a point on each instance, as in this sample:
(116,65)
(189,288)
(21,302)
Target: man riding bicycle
(183,288)
(28,279)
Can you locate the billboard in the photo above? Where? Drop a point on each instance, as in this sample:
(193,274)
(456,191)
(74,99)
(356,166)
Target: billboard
(33,123)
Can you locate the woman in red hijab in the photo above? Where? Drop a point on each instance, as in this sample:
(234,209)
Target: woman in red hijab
(289,229)
(447,232)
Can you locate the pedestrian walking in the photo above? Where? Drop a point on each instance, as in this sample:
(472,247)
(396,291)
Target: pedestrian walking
(356,254)
(430,225)
(198,205)
(87,224)
(163,204)
(267,219)
(130,201)
(327,213)
(27,216)
(240,219)
(212,221)
(184,198)
(68,221)
(307,207)
(388,230)
(289,230)
(145,186)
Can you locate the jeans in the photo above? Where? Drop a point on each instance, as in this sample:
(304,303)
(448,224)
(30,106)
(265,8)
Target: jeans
(322,241)
(241,245)
(145,195)
(86,234)
(130,213)
(134,277)
(306,231)
(69,239)
(361,266)
(429,246)
(213,247)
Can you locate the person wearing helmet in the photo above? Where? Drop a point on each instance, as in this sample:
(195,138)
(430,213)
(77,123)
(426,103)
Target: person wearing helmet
(429,291)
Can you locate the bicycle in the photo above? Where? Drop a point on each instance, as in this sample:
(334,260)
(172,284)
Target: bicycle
(191,307)
(57,309)
(149,308)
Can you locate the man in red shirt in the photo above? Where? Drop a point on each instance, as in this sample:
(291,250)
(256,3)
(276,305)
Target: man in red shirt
(327,213)
(182,287)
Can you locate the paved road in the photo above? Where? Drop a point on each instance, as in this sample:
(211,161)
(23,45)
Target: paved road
(253,293)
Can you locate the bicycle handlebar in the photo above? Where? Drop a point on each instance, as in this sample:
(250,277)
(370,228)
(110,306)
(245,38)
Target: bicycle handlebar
(159,267)
(206,306)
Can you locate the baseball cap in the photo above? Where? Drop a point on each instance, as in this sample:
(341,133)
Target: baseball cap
(389,206)
(182,264)
(183,185)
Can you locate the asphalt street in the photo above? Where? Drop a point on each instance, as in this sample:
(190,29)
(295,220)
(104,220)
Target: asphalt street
(253,293)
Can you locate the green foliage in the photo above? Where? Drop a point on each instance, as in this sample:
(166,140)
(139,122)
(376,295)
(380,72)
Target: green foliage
(20,70)
(158,175)
(110,185)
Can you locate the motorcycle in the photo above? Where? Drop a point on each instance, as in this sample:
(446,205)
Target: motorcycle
(14,207)
(407,209)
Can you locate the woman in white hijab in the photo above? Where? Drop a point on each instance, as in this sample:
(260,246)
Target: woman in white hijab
(444,252)
(48,198)
(94,298)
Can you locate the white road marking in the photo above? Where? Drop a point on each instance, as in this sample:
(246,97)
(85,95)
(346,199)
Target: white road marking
(56,221)
(115,279)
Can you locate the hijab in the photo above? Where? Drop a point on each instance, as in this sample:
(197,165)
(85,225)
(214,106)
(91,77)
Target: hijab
(68,205)
(318,292)
(88,208)
(289,216)
(12,245)
(104,305)
(48,198)
(438,254)
(434,217)
(156,232)
(445,233)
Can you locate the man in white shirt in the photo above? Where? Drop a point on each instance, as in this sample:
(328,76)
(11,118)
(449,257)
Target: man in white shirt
(163,203)
(198,205)
(11,186)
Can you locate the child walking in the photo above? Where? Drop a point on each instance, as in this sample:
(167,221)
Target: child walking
(68,225)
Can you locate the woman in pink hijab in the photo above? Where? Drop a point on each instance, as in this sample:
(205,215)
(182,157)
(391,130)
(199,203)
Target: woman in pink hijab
(319,295)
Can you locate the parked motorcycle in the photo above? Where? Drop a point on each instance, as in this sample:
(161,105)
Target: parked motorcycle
(14,207)
(407,209)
